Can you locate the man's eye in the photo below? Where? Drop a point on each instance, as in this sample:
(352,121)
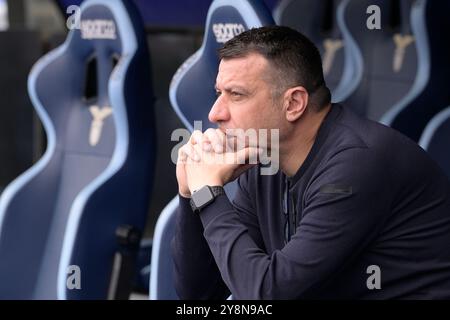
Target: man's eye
(236,94)
(218,93)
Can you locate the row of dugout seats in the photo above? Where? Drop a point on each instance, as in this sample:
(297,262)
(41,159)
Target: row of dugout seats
(394,74)
(85,202)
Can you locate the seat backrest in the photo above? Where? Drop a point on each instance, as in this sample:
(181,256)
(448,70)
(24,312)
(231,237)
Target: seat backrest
(318,21)
(436,139)
(161,285)
(94,97)
(429,93)
(192,94)
(191,91)
(388,54)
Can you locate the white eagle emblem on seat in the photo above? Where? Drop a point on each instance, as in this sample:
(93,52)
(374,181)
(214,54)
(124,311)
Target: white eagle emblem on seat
(98,115)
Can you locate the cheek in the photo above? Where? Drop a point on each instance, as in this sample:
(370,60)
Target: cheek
(245,116)
(273,116)
(258,113)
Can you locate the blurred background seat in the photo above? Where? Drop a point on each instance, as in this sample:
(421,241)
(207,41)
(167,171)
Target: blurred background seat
(86,199)
(429,94)
(387,48)
(436,139)
(318,21)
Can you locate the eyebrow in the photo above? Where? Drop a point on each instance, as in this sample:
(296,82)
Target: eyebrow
(231,88)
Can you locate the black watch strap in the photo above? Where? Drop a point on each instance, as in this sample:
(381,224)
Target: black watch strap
(215,190)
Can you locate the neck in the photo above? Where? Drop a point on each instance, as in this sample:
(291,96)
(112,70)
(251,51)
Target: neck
(295,149)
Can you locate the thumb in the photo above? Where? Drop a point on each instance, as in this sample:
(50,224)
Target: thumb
(249,155)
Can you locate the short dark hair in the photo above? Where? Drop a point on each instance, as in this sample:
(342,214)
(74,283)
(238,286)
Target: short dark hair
(295,58)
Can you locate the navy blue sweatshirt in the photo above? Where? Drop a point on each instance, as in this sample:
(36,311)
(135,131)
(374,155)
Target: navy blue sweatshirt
(366,198)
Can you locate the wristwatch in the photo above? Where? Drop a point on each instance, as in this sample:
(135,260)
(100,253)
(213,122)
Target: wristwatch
(204,196)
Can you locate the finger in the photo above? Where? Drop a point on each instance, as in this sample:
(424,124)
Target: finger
(209,139)
(243,156)
(181,156)
(231,143)
(215,139)
(236,140)
(193,154)
(196,137)
(200,151)
(190,152)
(206,145)
(248,155)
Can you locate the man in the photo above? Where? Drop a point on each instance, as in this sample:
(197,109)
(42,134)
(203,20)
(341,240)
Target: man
(357,210)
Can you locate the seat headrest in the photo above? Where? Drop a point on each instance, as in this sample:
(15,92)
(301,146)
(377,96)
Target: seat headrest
(192,88)
(105,32)
(394,17)
(97,28)
(75,78)
(317,20)
(429,93)
(389,53)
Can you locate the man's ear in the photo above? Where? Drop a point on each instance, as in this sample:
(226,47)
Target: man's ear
(295,102)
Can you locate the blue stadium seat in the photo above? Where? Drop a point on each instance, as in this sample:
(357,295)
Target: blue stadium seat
(161,283)
(429,93)
(318,21)
(386,57)
(94,97)
(192,94)
(436,139)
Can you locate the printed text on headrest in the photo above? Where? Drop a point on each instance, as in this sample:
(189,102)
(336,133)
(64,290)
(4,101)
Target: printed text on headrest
(98,29)
(226,31)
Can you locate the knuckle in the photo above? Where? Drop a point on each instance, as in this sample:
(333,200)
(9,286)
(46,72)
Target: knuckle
(197,136)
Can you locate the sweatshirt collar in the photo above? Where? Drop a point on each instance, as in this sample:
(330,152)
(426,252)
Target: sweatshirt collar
(322,135)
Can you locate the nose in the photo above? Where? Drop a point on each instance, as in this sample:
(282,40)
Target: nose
(219,111)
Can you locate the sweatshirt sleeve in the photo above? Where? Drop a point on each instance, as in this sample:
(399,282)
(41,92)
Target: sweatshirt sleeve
(196,275)
(340,217)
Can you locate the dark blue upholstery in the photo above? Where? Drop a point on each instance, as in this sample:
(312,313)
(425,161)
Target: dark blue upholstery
(380,84)
(192,95)
(436,139)
(161,278)
(318,21)
(430,91)
(66,208)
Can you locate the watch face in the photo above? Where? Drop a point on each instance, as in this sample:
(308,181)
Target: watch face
(202,197)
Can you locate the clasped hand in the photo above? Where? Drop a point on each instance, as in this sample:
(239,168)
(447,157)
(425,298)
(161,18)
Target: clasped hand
(213,158)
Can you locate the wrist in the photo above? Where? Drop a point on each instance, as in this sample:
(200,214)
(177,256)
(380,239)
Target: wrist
(212,183)
(204,196)
(184,194)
